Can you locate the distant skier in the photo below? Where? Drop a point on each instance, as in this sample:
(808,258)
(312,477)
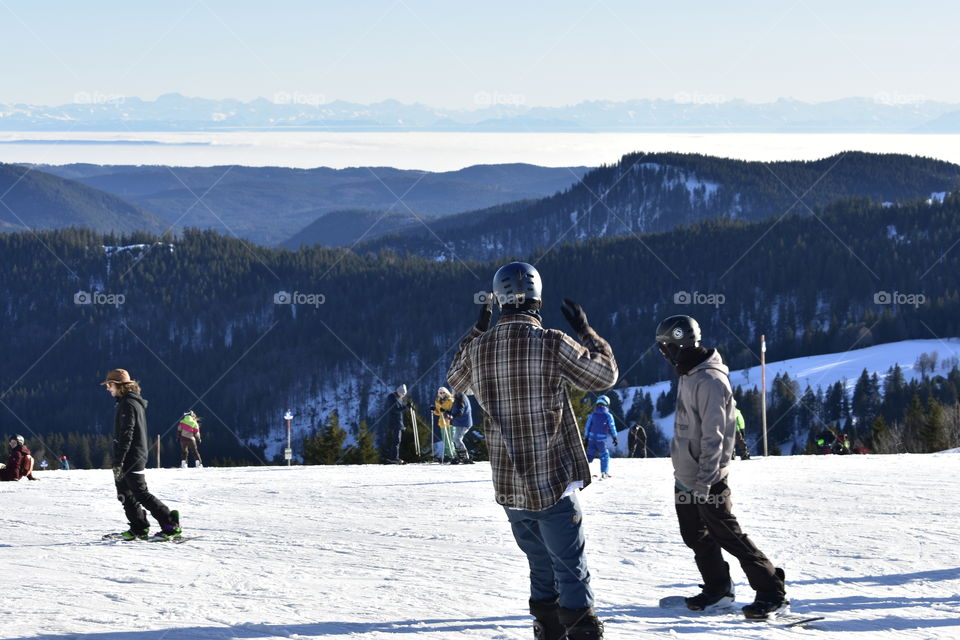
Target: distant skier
(701,450)
(188,433)
(841,446)
(19,463)
(442,406)
(519,372)
(130,460)
(600,426)
(44,464)
(741,444)
(397,403)
(461,419)
(64,463)
(637,441)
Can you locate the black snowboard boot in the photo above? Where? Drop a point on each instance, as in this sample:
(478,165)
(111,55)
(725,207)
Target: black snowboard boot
(581,624)
(711,597)
(768,603)
(547,625)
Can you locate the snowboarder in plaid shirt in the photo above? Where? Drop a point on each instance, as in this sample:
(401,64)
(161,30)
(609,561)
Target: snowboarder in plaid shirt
(519,373)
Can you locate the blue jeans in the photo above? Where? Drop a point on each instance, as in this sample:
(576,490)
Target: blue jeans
(595,449)
(553,541)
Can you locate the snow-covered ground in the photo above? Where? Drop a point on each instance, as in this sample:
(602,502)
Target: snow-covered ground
(376,552)
(818,371)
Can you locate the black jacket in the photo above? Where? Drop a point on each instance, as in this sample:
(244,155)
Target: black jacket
(394,412)
(130,433)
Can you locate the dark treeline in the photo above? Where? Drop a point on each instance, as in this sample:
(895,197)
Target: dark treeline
(199,326)
(881,415)
(647,192)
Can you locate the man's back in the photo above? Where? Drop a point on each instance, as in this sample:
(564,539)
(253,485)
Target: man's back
(519,372)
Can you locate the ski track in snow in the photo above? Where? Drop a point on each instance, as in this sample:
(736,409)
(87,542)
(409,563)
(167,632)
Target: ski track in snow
(380,552)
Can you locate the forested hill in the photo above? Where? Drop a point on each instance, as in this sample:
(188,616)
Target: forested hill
(268,205)
(646,192)
(200,324)
(36,200)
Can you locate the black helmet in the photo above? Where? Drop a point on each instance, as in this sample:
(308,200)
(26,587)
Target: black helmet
(516,284)
(682,331)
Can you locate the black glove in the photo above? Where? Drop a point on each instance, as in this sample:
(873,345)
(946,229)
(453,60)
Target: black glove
(615,443)
(575,316)
(585,441)
(486,313)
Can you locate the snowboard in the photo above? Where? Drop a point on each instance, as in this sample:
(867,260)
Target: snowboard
(785,619)
(118,537)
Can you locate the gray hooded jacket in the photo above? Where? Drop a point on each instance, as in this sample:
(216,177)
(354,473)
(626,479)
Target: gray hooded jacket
(705,426)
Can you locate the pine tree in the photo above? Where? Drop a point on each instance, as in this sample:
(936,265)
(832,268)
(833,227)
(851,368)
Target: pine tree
(880,437)
(913,424)
(364,451)
(582,406)
(934,432)
(325,446)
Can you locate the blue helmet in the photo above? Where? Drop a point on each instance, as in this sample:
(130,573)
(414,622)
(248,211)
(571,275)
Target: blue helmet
(517,283)
(604,400)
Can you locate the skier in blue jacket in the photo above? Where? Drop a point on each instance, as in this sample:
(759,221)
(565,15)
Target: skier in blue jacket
(600,425)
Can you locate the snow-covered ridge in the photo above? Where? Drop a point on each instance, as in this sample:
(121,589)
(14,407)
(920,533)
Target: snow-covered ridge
(816,371)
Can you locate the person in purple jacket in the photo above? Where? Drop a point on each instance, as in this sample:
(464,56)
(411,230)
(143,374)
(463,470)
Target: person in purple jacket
(600,426)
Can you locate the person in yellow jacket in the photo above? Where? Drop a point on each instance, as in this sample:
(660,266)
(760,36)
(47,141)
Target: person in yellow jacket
(188,432)
(442,407)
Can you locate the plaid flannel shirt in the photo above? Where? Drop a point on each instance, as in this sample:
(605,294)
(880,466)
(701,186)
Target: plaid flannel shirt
(519,373)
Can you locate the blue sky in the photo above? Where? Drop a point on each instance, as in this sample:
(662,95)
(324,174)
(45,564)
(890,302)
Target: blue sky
(446,53)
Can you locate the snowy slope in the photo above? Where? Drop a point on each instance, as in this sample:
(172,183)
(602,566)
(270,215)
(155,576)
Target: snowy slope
(376,552)
(816,371)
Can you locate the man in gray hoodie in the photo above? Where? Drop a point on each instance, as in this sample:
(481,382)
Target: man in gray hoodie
(701,449)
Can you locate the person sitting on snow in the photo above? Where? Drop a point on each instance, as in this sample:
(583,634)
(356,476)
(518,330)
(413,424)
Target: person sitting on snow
(19,464)
(600,425)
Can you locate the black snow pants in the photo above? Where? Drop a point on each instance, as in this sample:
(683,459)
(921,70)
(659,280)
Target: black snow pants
(707,525)
(133,494)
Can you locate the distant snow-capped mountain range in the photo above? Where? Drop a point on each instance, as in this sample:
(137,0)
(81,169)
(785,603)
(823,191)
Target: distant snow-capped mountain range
(93,111)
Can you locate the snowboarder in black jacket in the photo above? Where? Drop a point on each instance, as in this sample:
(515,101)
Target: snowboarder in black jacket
(637,441)
(130,460)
